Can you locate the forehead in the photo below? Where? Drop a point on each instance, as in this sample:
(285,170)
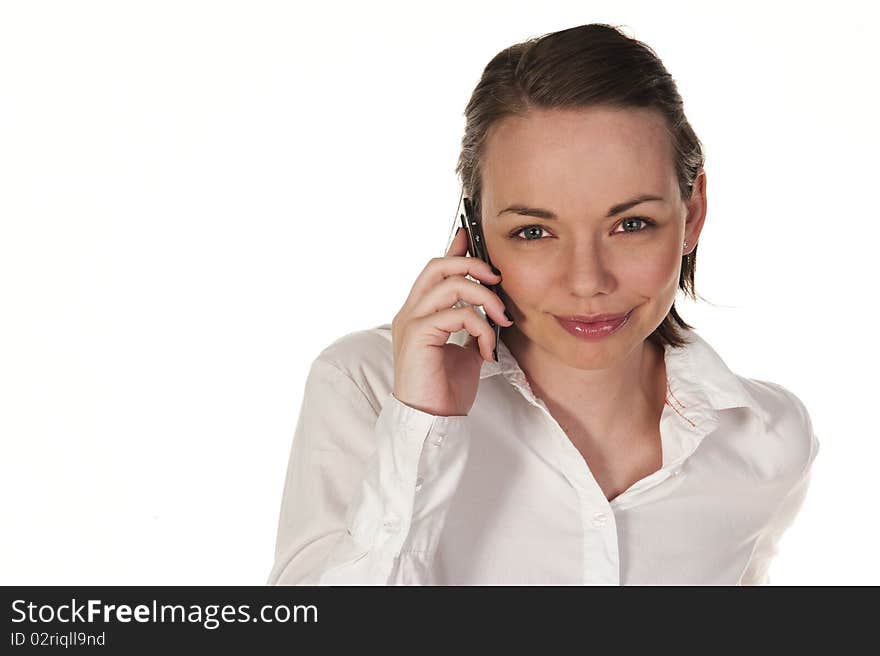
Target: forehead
(579,155)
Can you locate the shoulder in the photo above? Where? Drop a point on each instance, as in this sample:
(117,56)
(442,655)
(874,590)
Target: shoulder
(371,346)
(366,358)
(783,439)
(787,421)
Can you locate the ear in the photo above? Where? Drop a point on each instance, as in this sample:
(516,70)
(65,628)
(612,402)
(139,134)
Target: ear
(696,212)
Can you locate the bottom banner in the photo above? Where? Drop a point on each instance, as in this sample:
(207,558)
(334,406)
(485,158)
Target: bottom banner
(128,620)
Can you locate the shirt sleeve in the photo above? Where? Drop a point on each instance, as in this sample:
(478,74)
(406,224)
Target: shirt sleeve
(767,545)
(363,486)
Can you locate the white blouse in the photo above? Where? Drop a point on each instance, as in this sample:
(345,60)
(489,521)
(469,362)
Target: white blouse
(378,492)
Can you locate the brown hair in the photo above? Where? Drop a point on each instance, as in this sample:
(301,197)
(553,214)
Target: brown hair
(584,66)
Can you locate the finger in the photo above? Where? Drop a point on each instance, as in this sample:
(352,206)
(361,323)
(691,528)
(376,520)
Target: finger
(459,245)
(442,324)
(457,288)
(439,268)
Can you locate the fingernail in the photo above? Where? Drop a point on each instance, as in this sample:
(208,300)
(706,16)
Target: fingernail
(507,314)
(496,271)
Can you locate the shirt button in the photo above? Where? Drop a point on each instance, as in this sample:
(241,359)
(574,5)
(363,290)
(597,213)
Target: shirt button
(392,524)
(419,482)
(599,519)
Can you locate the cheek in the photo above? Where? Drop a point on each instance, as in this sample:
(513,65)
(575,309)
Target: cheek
(656,272)
(525,282)
(653,272)
(522,282)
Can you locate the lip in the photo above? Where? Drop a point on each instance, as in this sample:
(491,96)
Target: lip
(593,318)
(592,330)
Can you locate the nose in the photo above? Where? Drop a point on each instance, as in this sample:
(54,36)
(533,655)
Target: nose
(587,269)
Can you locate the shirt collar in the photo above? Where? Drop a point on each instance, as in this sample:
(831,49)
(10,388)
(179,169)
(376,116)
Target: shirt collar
(699,381)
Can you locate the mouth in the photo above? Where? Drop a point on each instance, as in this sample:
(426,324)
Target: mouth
(593,318)
(598,326)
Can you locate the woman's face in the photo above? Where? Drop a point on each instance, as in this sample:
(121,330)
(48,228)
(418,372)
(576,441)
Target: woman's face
(577,165)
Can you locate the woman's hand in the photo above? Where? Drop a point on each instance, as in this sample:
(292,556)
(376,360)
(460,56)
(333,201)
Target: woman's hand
(429,374)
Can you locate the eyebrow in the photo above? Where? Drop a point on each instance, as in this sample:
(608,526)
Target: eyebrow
(547,214)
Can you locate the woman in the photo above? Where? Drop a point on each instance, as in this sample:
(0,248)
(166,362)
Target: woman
(620,451)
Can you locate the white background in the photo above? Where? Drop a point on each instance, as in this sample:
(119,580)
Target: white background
(198,197)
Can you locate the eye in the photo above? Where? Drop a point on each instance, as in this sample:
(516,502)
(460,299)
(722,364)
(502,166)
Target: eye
(648,223)
(535,230)
(532,228)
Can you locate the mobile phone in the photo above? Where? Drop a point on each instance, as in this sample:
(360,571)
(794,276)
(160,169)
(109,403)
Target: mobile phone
(477,248)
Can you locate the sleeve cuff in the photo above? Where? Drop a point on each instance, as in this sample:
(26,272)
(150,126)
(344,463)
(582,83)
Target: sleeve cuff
(410,479)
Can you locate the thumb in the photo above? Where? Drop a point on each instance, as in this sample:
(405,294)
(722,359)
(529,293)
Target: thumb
(470,342)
